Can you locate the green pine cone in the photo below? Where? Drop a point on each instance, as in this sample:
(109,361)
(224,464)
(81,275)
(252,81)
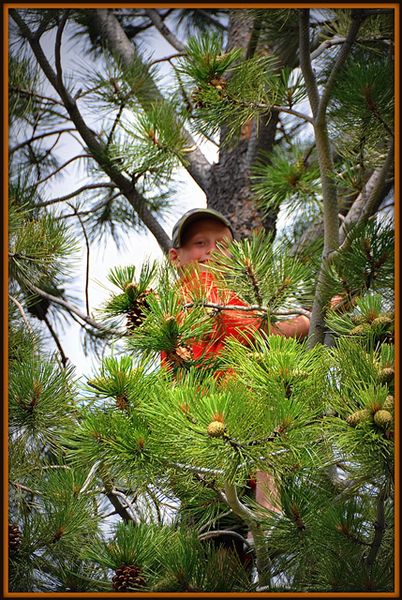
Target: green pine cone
(389,403)
(360,329)
(386,374)
(216,429)
(382,320)
(383,419)
(359,416)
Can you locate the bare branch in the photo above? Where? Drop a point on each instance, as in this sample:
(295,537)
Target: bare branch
(39,137)
(217,533)
(167,58)
(57,49)
(54,335)
(164,30)
(87,260)
(22,313)
(71,309)
(369,200)
(357,19)
(295,113)
(262,310)
(379,527)
(336,40)
(70,160)
(84,188)
(305,62)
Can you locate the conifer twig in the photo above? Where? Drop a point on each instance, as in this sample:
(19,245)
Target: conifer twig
(379,527)
(253,307)
(164,30)
(84,188)
(89,476)
(22,313)
(218,532)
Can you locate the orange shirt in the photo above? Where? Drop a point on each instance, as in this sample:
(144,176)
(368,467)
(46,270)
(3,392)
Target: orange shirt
(228,323)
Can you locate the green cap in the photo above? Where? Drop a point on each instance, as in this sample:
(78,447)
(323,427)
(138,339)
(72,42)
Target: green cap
(194,215)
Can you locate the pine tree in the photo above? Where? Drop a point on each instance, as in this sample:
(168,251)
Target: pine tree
(125,481)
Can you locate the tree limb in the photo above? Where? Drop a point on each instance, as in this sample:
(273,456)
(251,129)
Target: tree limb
(305,62)
(22,313)
(39,137)
(97,148)
(219,532)
(70,160)
(357,19)
(89,186)
(71,309)
(164,30)
(87,258)
(260,541)
(369,199)
(110,29)
(379,527)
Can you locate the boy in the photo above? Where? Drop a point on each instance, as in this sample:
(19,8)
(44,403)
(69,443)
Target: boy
(195,236)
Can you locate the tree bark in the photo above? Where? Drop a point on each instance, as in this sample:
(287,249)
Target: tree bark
(229,190)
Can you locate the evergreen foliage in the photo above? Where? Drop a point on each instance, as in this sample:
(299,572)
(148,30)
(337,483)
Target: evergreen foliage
(141,477)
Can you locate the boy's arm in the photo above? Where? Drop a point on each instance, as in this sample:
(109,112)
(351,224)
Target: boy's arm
(297,327)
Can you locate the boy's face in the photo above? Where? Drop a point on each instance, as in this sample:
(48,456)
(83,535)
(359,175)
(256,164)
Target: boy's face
(200,239)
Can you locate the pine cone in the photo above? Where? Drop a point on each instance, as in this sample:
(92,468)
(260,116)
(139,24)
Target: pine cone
(135,314)
(386,374)
(127,578)
(360,329)
(180,356)
(122,402)
(383,419)
(382,320)
(216,429)
(14,538)
(389,403)
(358,319)
(359,416)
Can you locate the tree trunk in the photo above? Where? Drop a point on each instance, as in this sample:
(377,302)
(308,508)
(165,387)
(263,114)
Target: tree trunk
(229,189)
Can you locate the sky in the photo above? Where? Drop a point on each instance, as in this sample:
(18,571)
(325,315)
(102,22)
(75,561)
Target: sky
(138,246)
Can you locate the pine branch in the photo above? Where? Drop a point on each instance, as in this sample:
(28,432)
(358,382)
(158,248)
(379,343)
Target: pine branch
(54,335)
(118,506)
(357,19)
(89,476)
(164,30)
(261,310)
(379,527)
(87,257)
(217,533)
(305,61)
(63,166)
(57,46)
(84,188)
(71,309)
(22,313)
(124,184)
(369,198)
(260,541)
(109,27)
(39,137)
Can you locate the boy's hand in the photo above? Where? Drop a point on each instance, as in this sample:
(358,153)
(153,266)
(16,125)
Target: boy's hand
(341,303)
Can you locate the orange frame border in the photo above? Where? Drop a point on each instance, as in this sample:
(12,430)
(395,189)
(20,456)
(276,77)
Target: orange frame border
(313,4)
